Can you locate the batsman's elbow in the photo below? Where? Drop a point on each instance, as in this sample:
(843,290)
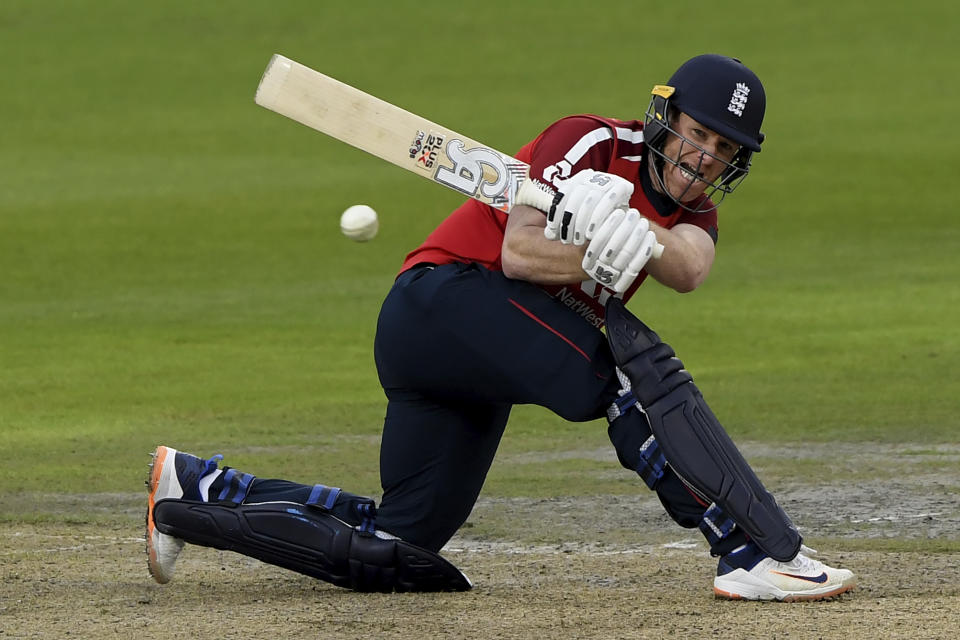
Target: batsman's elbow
(516,268)
(689,282)
(682,277)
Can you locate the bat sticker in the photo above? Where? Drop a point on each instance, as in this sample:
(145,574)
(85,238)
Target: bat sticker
(425,148)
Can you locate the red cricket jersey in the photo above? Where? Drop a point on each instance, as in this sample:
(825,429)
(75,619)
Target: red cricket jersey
(474,231)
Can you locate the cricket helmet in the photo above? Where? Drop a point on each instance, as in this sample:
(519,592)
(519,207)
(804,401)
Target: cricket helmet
(722,94)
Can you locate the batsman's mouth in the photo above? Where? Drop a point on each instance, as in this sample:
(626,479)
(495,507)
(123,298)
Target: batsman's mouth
(690,173)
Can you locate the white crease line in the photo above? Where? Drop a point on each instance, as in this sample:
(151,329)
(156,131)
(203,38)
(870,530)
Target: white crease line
(21,534)
(683,544)
(910,516)
(516,548)
(78,547)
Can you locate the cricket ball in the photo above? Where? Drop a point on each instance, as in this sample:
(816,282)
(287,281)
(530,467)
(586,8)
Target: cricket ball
(359,223)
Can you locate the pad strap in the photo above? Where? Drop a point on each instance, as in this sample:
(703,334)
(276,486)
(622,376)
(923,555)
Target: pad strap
(716,525)
(621,405)
(368,517)
(323,496)
(652,462)
(236,484)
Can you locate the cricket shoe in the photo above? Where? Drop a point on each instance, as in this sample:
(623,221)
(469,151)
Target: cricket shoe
(747,573)
(175,475)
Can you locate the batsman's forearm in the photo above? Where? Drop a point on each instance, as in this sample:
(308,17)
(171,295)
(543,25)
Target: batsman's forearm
(527,255)
(687,257)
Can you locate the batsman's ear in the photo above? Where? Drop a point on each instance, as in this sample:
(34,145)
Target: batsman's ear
(657,116)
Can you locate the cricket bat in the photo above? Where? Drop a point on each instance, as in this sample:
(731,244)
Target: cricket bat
(401,138)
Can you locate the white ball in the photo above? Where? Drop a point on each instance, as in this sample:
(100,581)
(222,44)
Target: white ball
(359,223)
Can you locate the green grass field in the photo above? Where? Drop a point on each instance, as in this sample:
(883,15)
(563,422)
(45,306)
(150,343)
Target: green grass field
(172,269)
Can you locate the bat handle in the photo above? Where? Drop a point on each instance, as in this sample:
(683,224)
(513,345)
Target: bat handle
(536,194)
(540,196)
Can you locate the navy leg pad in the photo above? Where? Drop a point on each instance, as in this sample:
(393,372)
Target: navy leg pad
(310,541)
(694,442)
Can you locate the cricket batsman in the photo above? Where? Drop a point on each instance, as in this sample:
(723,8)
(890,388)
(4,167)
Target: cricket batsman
(494,310)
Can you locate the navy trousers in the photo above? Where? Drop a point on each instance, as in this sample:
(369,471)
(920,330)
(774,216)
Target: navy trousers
(457,346)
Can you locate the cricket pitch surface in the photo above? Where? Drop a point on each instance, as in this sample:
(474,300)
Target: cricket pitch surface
(584,567)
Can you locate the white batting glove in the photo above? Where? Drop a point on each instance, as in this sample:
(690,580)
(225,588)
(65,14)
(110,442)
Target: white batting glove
(619,250)
(587,199)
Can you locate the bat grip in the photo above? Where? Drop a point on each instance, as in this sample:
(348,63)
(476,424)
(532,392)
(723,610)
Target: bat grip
(540,196)
(536,194)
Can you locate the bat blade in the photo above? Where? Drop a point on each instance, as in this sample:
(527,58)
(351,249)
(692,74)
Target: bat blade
(401,138)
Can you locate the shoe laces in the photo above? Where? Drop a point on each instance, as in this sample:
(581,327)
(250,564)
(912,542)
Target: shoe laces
(210,465)
(803,563)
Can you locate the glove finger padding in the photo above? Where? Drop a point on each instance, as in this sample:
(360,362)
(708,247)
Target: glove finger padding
(587,199)
(638,261)
(606,266)
(644,252)
(619,250)
(565,189)
(594,199)
(570,205)
(617,197)
(632,245)
(619,238)
(600,239)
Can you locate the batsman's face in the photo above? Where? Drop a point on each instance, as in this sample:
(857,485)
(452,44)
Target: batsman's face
(699,156)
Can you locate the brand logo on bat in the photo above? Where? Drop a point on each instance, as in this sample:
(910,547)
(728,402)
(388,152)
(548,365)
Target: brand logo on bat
(425,148)
(479,173)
